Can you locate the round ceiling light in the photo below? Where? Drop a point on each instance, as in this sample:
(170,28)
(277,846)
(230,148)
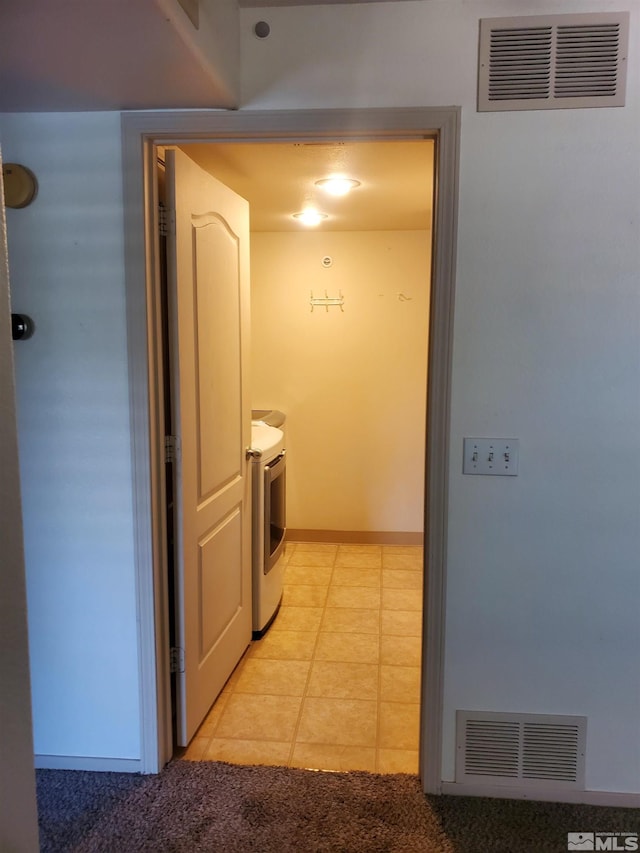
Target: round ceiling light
(310,216)
(337,185)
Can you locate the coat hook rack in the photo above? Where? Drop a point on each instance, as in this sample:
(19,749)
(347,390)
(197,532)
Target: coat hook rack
(327,300)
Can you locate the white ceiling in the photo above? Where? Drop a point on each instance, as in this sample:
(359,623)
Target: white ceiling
(278,179)
(67,55)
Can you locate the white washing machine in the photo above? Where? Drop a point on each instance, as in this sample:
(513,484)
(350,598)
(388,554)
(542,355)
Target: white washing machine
(268,456)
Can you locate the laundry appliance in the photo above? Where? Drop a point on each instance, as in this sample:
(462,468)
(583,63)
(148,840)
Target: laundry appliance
(268,455)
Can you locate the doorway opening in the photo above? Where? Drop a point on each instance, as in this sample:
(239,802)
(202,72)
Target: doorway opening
(141,133)
(336,684)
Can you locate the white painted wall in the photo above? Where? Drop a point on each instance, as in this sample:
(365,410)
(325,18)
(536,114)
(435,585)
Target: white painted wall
(215,43)
(543,586)
(66,261)
(352,382)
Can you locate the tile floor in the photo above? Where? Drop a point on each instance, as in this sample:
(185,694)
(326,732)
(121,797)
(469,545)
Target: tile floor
(334,684)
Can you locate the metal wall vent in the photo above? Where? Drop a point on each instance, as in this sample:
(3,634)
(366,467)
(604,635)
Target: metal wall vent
(523,750)
(553,62)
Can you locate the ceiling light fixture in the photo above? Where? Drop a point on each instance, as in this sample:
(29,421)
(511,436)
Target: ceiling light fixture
(337,185)
(310,216)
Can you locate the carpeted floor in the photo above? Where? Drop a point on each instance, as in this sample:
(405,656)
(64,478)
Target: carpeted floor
(210,806)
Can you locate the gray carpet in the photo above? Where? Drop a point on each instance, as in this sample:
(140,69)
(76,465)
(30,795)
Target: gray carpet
(210,806)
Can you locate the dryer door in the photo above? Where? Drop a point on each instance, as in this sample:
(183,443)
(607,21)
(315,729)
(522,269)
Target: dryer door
(275,526)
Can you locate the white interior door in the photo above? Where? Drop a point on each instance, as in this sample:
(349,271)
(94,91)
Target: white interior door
(208,276)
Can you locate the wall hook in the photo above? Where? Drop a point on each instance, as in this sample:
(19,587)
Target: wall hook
(327,300)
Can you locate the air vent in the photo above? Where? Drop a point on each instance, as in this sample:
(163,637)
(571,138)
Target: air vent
(523,750)
(553,62)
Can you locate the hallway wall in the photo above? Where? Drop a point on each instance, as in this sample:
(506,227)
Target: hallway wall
(66,262)
(542,588)
(352,382)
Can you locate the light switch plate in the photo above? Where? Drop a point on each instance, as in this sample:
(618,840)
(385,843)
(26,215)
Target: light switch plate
(496,457)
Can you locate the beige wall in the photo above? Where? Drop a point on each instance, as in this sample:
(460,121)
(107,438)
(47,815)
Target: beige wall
(352,383)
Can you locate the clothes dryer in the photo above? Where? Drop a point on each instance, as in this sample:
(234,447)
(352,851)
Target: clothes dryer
(269,527)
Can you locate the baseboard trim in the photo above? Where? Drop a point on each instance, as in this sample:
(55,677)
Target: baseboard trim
(555,795)
(82,762)
(358,537)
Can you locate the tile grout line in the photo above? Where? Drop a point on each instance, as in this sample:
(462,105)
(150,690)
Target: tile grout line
(233,678)
(294,737)
(325,607)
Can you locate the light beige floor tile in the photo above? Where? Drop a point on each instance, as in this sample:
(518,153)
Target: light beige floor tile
(261,708)
(348,648)
(401,579)
(348,722)
(367,597)
(343,680)
(412,562)
(399,724)
(250,717)
(237,751)
(402,549)
(228,687)
(360,559)
(400,651)
(400,683)
(319,547)
(402,599)
(397,761)
(287,553)
(301,595)
(350,620)
(285,645)
(308,575)
(298,619)
(196,749)
(211,720)
(273,677)
(347,576)
(312,558)
(324,757)
(355,548)
(403,623)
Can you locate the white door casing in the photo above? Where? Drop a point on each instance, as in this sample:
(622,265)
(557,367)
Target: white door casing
(142,131)
(208,283)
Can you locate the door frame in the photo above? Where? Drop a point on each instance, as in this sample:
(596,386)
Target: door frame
(141,132)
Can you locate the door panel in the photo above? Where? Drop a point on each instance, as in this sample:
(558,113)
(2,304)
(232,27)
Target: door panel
(221,593)
(218,320)
(208,273)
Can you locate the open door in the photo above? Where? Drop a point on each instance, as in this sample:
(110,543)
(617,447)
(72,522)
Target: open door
(208,284)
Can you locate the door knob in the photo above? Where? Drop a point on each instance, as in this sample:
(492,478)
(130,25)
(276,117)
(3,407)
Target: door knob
(22,327)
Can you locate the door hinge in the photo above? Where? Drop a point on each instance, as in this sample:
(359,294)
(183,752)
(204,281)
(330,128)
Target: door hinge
(166,221)
(176,659)
(170,448)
